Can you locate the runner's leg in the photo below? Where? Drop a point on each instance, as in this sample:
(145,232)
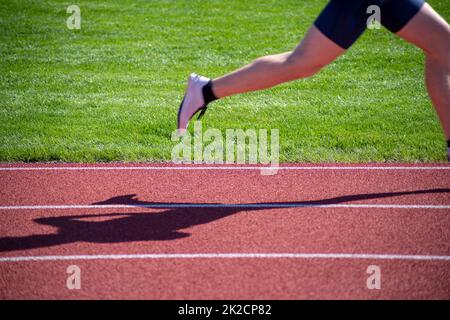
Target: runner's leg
(430,32)
(311,55)
(338,26)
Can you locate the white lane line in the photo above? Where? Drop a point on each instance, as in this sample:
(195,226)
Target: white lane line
(216,168)
(229,256)
(218,206)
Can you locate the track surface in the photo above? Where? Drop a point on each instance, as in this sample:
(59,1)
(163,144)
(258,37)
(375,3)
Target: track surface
(125,226)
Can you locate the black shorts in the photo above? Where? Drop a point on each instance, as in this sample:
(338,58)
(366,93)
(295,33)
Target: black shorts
(343,21)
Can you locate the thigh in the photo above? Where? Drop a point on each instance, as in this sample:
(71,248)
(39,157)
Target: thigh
(430,32)
(343,21)
(338,26)
(396,14)
(315,50)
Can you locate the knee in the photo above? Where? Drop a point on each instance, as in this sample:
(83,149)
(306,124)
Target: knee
(302,65)
(440,52)
(446,55)
(442,58)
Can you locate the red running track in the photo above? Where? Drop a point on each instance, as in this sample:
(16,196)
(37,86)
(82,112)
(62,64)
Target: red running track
(126,225)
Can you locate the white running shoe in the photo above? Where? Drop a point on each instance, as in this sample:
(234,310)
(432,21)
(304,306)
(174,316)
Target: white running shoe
(192,102)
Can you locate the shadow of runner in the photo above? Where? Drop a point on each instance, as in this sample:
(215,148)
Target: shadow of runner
(156,226)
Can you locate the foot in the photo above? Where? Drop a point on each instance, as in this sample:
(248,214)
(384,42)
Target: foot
(193,102)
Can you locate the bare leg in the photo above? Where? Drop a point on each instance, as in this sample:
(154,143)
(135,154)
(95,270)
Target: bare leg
(438,85)
(431,32)
(312,54)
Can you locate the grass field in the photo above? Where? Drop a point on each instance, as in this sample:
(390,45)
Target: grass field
(110,91)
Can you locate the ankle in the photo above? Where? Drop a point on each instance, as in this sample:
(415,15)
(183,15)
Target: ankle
(208,93)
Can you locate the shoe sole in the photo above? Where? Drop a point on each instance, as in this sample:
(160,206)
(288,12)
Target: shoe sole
(179,112)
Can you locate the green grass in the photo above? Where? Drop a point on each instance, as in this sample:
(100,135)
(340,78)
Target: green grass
(110,91)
